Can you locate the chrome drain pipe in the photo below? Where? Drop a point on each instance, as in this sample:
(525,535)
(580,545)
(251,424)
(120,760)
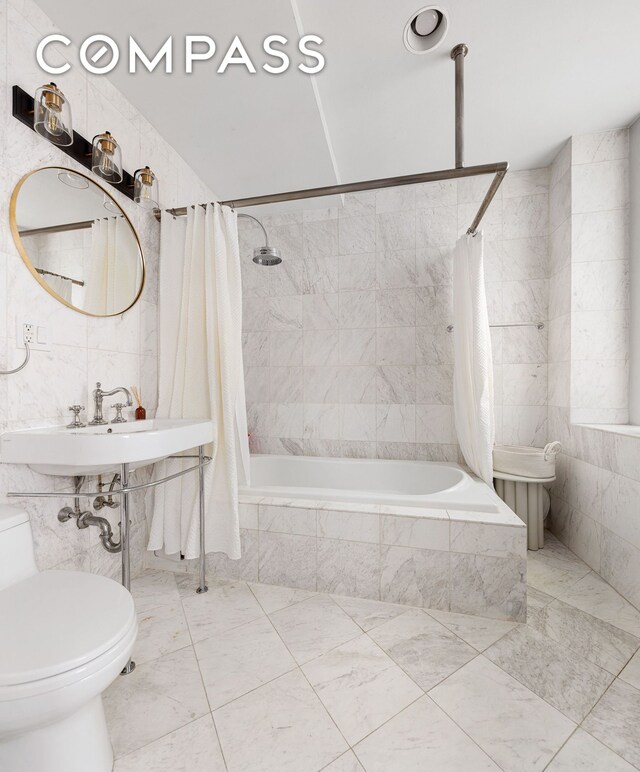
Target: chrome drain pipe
(84,519)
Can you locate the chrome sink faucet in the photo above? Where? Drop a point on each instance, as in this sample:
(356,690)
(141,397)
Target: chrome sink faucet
(99,395)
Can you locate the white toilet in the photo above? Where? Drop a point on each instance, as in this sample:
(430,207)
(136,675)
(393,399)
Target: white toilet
(64,637)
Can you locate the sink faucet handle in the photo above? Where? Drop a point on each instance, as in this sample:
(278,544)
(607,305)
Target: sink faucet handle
(119,419)
(77,422)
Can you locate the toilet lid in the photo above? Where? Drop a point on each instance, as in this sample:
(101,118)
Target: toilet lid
(56,621)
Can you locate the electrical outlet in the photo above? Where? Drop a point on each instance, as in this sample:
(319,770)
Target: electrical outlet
(33,333)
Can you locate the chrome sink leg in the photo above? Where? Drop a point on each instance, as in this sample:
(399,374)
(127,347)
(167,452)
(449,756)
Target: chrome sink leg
(124,540)
(202,586)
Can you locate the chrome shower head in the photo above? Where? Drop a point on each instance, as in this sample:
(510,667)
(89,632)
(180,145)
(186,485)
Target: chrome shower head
(266,255)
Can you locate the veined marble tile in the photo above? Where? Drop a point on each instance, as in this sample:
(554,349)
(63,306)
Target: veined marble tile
(614,721)
(493,587)
(194,746)
(357,272)
(479,632)
(162,626)
(553,570)
(631,673)
(241,660)
(507,720)
(537,600)
(357,309)
(346,763)
(396,345)
(584,752)
(358,347)
(273,598)
(313,627)
(593,595)
(422,737)
(419,531)
(156,698)
(349,568)
(396,230)
(356,235)
(352,526)
(282,725)
(396,269)
(496,541)
(597,641)
(360,686)
(368,614)
(416,577)
(288,560)
(423,648)
(559,675)
(222,608)
(321,347)
(396,384)
(288,520)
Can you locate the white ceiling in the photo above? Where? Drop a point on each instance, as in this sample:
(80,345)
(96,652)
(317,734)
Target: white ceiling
(537,72)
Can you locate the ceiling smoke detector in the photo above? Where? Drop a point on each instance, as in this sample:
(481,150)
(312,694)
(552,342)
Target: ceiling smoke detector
(425,30)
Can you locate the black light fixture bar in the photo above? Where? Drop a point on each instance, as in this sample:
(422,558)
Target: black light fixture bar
(80,150)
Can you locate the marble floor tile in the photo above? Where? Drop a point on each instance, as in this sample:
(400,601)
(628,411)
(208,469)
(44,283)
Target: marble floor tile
(478,632)
(583,752)
(422,738)
(537,599)
(272,597)
(631,673)
(509,722)
(586,635)
(224,607)
(614,721)
(162,626)
(423,648)
(157,698)
(554,569)
(593,595)
(565,680)
(240,660)
(192,747)
(360,686)
(280,726)
(313,627)
(368,613)
(346,763)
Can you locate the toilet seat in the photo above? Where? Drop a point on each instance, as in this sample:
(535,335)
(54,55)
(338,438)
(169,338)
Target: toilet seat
(59,622)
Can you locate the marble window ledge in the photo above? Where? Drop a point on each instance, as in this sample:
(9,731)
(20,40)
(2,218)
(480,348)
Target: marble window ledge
(628,430)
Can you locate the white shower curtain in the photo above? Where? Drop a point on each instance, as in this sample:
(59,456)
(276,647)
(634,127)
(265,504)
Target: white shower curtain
(473,365)
(201,376)
(114,270)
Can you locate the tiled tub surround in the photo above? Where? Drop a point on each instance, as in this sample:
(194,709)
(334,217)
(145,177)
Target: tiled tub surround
(346,348)
(117,351)
(470,562)
(595,499)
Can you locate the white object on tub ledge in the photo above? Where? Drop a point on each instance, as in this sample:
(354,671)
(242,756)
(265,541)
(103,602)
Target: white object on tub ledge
(523,461)
(423,484)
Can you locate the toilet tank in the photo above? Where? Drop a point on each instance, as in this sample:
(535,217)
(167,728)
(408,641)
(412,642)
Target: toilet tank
(17,561)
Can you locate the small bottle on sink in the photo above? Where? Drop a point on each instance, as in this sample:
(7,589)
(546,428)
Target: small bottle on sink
(140,413)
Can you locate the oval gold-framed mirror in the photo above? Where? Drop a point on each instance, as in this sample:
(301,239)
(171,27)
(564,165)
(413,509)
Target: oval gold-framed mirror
(77,242)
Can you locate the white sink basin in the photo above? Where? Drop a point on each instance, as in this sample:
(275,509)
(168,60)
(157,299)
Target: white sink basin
(100,449)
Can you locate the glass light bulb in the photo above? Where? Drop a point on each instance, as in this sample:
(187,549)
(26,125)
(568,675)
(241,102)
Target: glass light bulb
(426,22)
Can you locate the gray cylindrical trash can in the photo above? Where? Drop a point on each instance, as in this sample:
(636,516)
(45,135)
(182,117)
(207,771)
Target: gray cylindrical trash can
(520,475)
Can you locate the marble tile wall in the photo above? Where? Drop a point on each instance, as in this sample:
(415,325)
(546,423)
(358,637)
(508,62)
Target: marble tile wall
(453,561)
(119,351)
(595,499)
(346,347)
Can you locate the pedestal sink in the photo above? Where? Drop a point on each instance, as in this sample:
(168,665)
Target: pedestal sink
(93,450)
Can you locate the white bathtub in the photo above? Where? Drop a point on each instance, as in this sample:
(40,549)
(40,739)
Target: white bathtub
(423,484)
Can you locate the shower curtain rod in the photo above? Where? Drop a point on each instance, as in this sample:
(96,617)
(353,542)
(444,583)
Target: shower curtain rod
(497,169)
